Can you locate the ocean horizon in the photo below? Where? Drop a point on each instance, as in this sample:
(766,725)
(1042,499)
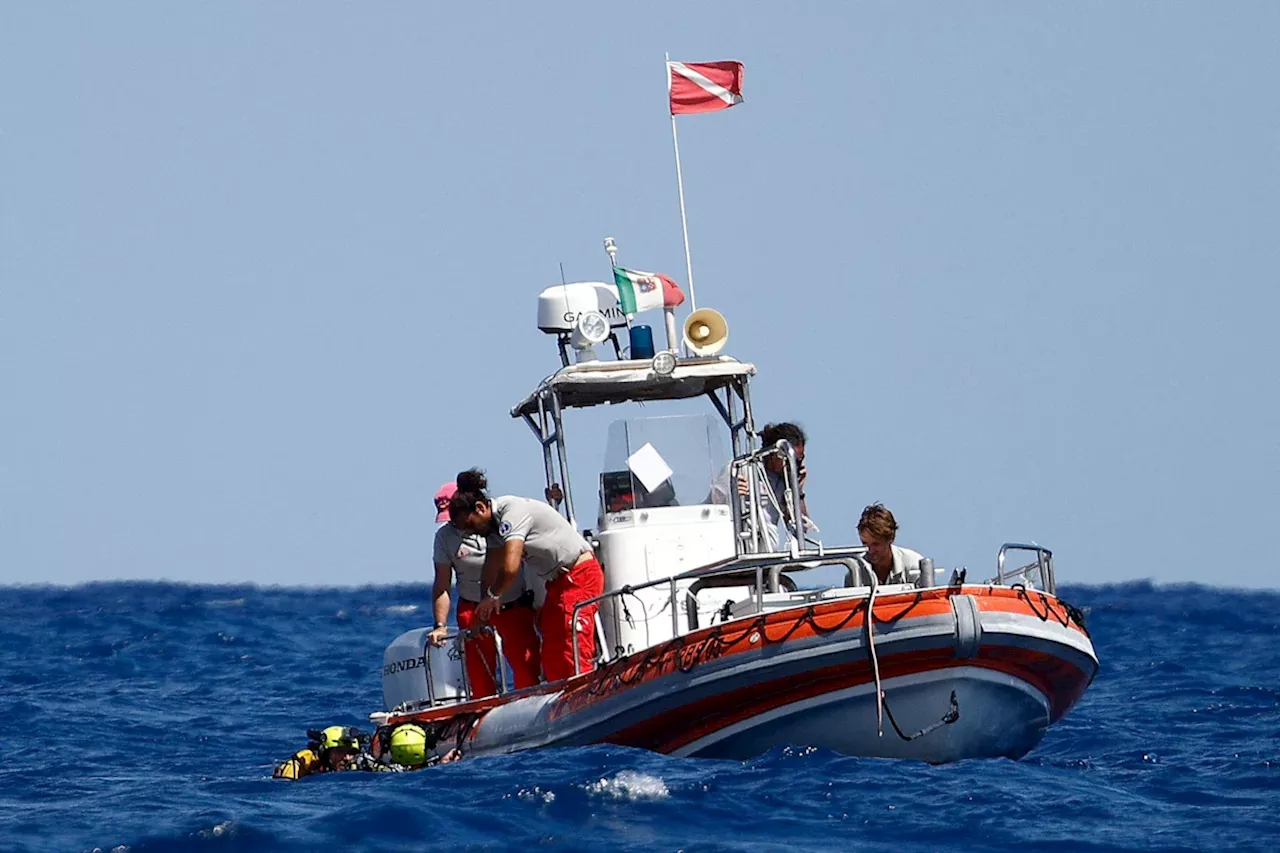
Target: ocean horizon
(147,716)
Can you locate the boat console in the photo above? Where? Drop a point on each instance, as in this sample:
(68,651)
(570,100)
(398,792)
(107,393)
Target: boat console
(674,556)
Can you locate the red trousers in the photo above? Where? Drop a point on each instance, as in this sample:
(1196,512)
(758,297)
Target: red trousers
(583,581)
(519,647)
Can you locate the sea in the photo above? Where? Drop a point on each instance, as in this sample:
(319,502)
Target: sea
(148,716)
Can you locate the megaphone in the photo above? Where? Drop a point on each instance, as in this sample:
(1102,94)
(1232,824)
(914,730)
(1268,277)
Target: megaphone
(705,331)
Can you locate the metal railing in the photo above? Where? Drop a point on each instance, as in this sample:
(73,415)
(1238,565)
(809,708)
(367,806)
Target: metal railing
(1043,568)
(791,507)
(460,640)
(776,562)
(856,575)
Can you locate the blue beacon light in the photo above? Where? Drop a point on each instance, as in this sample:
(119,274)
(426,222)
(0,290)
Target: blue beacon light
(641,343)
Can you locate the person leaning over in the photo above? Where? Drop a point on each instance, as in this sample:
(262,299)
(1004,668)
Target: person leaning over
(877,529)
(531,530)
(460,553)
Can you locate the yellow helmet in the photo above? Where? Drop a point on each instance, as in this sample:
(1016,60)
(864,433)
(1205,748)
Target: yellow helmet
(409,745)
(339,737)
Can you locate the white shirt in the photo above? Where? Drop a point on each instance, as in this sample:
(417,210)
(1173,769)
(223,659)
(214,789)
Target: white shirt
(906,565)
(773,491)
(722,492)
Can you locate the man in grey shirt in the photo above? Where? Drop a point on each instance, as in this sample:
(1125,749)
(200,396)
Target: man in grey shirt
(555,551)
(551,545)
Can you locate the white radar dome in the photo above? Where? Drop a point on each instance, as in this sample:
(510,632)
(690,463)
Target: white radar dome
(562,305)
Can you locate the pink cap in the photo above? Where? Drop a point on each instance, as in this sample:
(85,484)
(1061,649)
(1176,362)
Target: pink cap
(447,491)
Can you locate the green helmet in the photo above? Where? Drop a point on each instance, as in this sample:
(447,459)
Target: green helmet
(409,745)
(339,737)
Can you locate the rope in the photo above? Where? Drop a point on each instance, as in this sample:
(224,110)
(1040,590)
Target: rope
(1070,613)
(1076,615)
(953,714)
(871,653)
(1025,595)
(688,656)
(882,701)
(458,728)
(623,673)
(727,610)
(480,652)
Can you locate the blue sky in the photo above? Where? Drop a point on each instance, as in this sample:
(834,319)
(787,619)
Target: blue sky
(268,271)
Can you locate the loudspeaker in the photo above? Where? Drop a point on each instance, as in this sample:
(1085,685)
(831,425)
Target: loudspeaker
(705,331)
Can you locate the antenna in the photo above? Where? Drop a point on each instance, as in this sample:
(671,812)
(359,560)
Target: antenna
(611,248)
(562,339)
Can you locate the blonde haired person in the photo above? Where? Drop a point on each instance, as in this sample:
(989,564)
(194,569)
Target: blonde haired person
(878,529)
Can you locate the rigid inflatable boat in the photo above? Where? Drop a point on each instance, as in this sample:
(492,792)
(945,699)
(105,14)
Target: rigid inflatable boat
(714,640)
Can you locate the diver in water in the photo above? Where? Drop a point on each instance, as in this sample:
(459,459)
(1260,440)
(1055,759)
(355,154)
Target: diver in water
(411,747)
(338,748)
(328,751)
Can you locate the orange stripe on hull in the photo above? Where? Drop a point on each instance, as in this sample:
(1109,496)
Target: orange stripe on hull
(892,611)
(1061,682)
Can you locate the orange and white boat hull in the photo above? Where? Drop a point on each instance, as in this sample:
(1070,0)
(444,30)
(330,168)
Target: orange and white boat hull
(966,672)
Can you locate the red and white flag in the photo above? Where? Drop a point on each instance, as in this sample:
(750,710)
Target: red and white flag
(640,291)
(703,87)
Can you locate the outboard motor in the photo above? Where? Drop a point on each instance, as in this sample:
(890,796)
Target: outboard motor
(405,671)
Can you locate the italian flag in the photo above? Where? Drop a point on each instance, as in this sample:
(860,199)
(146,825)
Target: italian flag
(640,291)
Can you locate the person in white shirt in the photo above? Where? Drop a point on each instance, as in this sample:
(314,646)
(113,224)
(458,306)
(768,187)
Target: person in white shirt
(877,529)
(772,500)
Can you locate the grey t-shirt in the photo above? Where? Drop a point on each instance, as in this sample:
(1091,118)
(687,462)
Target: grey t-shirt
(466,553)
(550,542)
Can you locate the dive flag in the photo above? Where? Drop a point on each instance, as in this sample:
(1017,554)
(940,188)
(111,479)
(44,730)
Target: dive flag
(640,291)
(703,87)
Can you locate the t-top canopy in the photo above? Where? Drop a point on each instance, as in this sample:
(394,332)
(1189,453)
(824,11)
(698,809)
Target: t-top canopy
(598,382)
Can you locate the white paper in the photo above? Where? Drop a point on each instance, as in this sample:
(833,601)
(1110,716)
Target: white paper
(649,467)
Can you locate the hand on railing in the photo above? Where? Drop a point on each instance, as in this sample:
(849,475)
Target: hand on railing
(438,636)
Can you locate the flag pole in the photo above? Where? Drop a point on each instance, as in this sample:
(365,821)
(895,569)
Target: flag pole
(684,222)
(611,248)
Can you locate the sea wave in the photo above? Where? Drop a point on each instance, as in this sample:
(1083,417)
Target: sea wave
(147,716)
